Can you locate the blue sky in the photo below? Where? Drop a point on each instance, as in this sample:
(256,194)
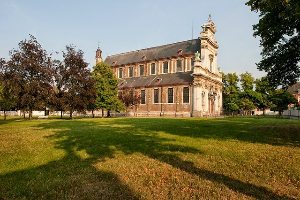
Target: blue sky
(121,26)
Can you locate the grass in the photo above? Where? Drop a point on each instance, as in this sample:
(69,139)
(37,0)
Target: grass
(131,158)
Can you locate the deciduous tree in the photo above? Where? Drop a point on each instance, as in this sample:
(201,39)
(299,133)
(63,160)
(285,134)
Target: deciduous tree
(77,83)
(247,81)
(59,102)
(106,88)
(7,95)
(278,28)
(281,99)
(230,92)
(264,89)
(31,73)
(249,99)
(129,97)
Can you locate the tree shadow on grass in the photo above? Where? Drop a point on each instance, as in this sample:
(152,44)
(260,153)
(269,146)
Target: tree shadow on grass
(68,178)
(251,190)
(10,120)
(265,131)
(74,177)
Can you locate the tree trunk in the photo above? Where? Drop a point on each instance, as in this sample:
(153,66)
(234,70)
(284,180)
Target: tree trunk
(71,114)
(108,113)
(30,114)
(24,114)
(4,114)
(61,114)
(93,114)
(102,112)
(264,111)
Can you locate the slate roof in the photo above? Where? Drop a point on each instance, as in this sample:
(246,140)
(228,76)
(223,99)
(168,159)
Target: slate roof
(188,47)
(179,78)
(294,88)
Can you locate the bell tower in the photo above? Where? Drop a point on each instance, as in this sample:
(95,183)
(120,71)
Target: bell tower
(98,56)
(207,80)
(209,46)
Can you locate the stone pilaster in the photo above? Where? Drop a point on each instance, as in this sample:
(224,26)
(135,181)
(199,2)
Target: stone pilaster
(197,91)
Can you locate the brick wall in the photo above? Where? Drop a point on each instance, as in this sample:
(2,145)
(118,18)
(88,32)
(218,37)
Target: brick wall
(177,108)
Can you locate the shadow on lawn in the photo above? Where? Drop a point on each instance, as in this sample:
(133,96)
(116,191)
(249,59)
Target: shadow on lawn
(72,177)
(68,178)
(276,132)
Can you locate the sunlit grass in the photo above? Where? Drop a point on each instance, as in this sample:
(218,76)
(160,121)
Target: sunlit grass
(131,158)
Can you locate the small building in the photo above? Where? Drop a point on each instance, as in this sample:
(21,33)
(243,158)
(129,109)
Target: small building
(179,79)
(295,91)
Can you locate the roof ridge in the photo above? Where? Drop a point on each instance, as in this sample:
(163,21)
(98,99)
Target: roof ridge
(118,54)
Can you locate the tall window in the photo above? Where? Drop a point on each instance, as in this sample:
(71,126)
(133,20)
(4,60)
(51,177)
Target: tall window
(156,95)
(153,68)
(120,72)
(179,65)
(166,67)
(170,95)
(143,97)
(186,95)
(130,71)
(142,70)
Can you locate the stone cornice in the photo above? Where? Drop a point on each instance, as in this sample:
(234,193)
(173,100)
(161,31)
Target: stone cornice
(213,43)
(207,78)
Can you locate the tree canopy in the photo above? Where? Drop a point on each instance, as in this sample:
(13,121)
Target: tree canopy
(32,80)
(7,96)
(230,92)
(281,99)
(78,85)
(129,97)
(247,81)
(29,74)
(246,99)
(106,86)
(278,28)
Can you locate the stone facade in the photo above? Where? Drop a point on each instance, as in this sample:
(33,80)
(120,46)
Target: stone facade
(179,79)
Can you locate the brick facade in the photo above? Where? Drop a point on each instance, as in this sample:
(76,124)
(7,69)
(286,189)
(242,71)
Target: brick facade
(186,85)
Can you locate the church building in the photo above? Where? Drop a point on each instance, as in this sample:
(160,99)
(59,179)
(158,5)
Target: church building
(180,79)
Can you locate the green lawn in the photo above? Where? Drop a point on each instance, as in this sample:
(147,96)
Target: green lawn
(131,158)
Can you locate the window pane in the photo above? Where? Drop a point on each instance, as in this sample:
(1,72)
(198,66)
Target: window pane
(143,97)
(153,68)
(186,95)
(166,67)
(170,95)
(179,65)
(156,96)
(141,70)
(120,72)
(130,71)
